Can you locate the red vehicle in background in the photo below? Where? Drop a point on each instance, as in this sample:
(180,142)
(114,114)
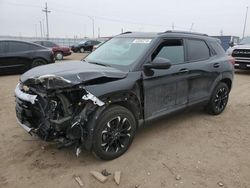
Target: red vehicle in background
(59,51)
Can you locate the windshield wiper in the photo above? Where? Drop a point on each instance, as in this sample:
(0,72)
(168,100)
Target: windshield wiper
(96,63)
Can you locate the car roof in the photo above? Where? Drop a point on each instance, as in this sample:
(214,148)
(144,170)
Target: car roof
(169,33)
(42,41)
(11,40)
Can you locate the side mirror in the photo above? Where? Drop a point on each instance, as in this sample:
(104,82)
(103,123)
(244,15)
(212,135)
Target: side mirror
(158,63)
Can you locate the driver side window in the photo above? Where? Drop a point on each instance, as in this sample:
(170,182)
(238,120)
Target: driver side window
(172,49)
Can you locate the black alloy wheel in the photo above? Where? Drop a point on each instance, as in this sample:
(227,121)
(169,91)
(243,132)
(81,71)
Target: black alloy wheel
(114,132)
(219,99)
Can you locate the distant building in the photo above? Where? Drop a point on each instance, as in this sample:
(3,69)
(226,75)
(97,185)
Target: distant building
(226,40)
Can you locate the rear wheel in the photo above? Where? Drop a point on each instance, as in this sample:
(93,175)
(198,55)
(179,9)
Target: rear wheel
(37,62)
(114,132)
(219,99)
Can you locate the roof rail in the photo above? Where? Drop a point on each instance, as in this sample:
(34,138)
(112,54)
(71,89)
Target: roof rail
(127,32)
(185,32)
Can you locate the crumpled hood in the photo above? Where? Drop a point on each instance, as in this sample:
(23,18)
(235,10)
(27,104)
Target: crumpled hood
(73,72)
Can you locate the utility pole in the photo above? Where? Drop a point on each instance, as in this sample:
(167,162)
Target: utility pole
(191,28)
(245,24)
(172,26)
(221,32)
(47,19)
(41,29)
(36,30)
(99,32)
(93,25)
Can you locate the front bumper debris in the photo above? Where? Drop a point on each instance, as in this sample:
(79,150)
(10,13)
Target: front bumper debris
(25,127)
(24,96)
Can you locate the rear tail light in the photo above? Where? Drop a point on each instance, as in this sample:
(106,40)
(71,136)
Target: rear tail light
(231,60)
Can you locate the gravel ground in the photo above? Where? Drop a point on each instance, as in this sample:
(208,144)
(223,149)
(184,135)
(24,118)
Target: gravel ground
(188,149)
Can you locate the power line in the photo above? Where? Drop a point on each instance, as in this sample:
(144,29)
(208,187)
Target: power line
(47,19)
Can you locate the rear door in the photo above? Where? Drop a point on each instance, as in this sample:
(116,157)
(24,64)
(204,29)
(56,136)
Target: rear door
(19,55)
(5,63)
(166,90)
(203,70)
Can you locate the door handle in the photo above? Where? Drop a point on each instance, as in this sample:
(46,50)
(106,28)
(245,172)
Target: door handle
(183,71)
(216,65)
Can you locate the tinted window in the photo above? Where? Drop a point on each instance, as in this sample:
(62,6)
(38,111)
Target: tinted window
(3,46)
(21,46)
(88,43)
(197,50)
(172,50)
(96,42)
(49,44)
(217,48)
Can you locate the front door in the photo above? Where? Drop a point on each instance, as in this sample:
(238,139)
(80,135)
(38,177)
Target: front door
(166,90)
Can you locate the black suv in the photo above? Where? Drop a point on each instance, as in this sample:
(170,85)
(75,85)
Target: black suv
(19,56)
(83,46)
(100,102)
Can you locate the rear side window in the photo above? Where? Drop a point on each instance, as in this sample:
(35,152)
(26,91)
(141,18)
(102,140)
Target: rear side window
(171,49)
(49,44)
(197,50)
(21,46)
(217,48)
(3,47)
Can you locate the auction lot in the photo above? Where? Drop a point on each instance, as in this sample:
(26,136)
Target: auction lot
(203,150)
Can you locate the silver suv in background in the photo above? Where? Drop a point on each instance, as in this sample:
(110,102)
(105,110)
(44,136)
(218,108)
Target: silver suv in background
(241,53)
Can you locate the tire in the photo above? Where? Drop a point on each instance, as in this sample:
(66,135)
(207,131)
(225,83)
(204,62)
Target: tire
(37,62)
(114,132)
(219,99)
(59,56)
(82,50)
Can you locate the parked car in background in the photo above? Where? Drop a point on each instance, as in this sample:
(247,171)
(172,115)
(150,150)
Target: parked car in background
(227,41)
(59,51)
(85,45)
(99,103)
(97,46)
(19,56)
(241,53)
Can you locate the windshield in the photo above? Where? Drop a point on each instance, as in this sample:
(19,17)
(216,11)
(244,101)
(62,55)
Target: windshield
(245,41)
(119,51)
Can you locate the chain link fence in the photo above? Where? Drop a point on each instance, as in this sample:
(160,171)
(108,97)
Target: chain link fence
(60,41)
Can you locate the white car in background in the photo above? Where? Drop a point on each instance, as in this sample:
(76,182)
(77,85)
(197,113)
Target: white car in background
(241,53)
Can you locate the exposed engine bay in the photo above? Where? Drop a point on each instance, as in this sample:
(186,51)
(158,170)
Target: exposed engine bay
(55,114)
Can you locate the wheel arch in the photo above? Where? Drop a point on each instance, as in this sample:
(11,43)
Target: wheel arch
(228,82)
(128,100)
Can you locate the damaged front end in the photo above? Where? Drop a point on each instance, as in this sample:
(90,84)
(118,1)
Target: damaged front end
(55,109)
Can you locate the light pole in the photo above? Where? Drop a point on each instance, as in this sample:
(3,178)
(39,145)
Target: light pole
(93,25)
(41,29)
(47,19)
(245,24)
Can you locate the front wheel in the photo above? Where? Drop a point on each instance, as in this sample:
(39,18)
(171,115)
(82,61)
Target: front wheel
(219,99)
(114,132)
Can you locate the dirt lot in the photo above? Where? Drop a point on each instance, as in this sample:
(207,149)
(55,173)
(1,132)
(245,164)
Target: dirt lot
(204,150)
